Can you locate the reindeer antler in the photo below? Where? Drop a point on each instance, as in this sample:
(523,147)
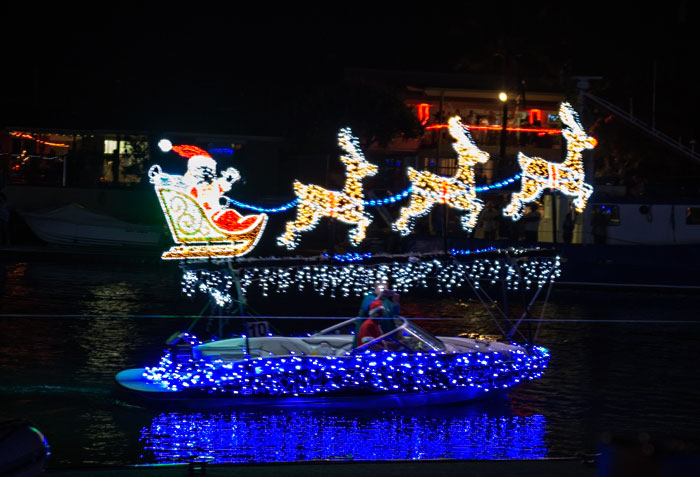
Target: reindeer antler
(569,117)
(350,145)
(465,145)
(461,135)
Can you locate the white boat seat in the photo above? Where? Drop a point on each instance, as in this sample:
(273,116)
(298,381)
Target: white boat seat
(329,345)
(232,349)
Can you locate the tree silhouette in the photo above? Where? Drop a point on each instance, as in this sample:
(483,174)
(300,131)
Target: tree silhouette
(376,114)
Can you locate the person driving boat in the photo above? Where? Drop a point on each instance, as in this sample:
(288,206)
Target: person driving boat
(369,329)
(389,301)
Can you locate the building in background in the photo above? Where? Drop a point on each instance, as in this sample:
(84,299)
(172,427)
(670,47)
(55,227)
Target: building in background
(105,171)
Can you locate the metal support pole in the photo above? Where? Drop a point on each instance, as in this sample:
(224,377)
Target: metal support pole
(503,130)
(240,310)
(444,228)
(220,312)
(554,218)
(505,303)
(65,166)
(653,99)
(478,295)
(438,163)
(439,132)
(532,301)
(544,305)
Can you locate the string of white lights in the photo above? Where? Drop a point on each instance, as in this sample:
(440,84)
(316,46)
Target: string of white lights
(445,275)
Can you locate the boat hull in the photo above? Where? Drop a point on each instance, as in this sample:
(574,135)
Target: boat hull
(134,386)
(319,371)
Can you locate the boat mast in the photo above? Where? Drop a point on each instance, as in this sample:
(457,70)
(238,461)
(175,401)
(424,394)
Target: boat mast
(240,303)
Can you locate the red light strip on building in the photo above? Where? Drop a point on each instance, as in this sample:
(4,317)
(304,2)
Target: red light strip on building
(498,128)
(423,113)
(40,141)
(535,114)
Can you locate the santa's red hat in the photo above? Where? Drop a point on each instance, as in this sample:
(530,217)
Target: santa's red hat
(197,156)
(376,308)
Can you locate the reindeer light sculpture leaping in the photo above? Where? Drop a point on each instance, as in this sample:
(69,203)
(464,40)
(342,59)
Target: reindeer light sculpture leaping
(315,202)
(457,191)
(567,177)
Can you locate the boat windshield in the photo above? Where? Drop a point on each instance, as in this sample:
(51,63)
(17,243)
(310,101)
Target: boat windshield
(406,336)
(418,336)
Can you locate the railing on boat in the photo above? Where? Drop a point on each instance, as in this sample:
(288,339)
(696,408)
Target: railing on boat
(405,327)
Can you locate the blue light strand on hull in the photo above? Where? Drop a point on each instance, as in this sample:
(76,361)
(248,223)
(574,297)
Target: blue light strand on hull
(371,202)
(455,251)
(370,373)
(299,435)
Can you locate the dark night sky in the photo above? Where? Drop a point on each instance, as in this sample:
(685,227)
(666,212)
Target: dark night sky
(79,64)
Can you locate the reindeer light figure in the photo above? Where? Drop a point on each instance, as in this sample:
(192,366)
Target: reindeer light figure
(457,191)
(347,205)
(566,177)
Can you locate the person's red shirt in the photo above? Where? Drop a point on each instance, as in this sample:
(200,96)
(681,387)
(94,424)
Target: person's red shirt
(368,331)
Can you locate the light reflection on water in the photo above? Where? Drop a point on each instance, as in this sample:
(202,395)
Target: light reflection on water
(106,344)
(294,435)
(113,299)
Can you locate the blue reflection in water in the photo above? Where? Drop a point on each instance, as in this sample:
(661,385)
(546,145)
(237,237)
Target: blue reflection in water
(288,436)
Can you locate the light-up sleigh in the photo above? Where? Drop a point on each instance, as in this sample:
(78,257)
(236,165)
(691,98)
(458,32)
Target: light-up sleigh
(196,234)
(406,366)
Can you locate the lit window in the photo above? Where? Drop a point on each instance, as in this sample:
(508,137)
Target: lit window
(110,146)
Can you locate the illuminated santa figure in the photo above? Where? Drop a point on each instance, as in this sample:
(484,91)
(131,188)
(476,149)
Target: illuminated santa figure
(209,190)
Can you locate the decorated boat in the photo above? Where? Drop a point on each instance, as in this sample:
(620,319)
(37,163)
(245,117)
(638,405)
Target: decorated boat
(406,366)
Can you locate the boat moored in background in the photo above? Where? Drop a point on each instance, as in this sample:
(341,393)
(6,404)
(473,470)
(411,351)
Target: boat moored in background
(74,225)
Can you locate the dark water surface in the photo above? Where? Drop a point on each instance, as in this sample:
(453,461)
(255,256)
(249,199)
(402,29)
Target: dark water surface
(67,329)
